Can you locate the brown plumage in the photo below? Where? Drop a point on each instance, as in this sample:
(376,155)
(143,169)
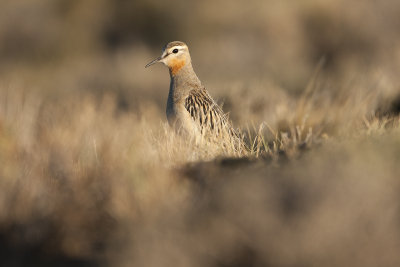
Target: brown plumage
(203,110)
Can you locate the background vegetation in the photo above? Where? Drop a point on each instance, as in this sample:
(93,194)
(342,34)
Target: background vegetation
(91,175)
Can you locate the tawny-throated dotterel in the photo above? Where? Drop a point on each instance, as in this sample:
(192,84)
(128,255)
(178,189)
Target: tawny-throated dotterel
(189,106)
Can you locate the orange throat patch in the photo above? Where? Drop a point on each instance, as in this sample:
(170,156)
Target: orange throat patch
(175,65)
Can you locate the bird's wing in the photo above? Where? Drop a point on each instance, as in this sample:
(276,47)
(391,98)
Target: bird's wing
(203,109)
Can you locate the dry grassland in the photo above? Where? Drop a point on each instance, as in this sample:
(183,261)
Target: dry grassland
(92,175)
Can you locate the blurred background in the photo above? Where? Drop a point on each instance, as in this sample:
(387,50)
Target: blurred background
(90,174)
(69,47)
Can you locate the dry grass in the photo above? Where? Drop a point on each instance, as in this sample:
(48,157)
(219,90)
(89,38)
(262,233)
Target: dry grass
(85,182)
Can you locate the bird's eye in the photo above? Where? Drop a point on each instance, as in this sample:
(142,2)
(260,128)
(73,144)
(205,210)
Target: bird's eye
(175,51)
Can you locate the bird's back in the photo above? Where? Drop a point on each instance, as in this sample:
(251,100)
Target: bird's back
(205,112)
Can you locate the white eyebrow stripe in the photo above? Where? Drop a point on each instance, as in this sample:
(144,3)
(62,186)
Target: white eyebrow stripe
(177,46)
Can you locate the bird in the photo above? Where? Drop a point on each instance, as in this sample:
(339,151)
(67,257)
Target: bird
(190,108)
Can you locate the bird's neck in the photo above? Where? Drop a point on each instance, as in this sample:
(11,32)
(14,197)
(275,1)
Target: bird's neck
(183,80)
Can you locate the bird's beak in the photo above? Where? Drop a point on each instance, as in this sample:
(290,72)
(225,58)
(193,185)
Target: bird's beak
(153,62)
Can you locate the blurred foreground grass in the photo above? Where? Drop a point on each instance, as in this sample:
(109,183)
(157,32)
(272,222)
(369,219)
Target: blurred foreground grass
(85,183)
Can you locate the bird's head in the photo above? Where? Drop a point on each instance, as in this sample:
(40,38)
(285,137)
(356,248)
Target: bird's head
(175,56)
